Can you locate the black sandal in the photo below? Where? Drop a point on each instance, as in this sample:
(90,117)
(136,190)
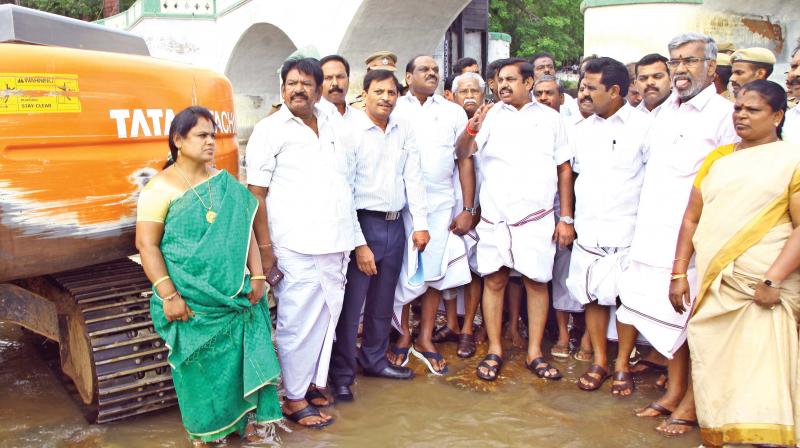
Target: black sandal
(308,411)
(493,371)
(544,370)
(315,394)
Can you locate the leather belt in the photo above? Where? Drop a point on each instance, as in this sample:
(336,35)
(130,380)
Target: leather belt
(387,216)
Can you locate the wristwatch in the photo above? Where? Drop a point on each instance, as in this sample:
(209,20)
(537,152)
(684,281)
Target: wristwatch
(472,210)
(771,283)
(566,220)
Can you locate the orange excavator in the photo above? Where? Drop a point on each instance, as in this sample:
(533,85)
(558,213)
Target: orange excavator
(84,114)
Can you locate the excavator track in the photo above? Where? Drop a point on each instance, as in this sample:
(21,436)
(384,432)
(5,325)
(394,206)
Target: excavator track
(129,366)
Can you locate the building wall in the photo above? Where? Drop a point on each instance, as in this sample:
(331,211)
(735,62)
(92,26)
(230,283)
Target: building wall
(627,30)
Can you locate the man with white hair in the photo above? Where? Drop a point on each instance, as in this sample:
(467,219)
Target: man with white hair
(692,122)
(468,92)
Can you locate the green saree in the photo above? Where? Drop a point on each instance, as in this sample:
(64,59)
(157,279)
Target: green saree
(223,362)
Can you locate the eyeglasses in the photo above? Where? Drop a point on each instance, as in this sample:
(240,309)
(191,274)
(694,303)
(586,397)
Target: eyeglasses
(688,62)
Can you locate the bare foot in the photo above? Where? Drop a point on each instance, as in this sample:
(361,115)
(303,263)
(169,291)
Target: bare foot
(513,334)
(480,335)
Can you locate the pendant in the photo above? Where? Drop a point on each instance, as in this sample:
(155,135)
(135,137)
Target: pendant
(211,217)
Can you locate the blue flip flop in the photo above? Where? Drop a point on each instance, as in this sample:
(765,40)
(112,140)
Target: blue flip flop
(398,351)
(426,356)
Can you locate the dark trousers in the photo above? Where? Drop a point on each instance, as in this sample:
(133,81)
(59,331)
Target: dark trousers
(387,241)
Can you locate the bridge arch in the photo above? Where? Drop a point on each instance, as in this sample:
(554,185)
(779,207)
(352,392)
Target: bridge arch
(253,71)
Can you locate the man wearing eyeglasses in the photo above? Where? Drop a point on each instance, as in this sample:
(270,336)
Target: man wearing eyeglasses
(692,122)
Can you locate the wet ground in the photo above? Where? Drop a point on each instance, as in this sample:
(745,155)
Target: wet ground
(456,410)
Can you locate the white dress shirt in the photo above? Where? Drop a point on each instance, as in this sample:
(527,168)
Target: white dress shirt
(680,138)
(351,117)
(310,199)
(388,175)
(791,127)
(610,155)
(437,124)
(518,155)
(642,108)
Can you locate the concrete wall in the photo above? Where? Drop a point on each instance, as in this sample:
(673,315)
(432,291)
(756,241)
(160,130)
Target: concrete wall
(627,30)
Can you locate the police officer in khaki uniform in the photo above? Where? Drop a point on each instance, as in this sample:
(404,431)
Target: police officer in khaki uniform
(750,64)
(380,60)
(723,75)
(726,48)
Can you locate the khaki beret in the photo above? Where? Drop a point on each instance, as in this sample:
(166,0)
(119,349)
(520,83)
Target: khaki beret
(756,55)
(381,60)
(725,46)
(723,60)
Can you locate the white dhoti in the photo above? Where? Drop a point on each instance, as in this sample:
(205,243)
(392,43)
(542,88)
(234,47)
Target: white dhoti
(644,293)
(442,265)
(563,300)
(594,273)
(310,300)
(525,246)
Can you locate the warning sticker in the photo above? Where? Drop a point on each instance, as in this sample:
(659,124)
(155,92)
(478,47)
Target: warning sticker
(37,93)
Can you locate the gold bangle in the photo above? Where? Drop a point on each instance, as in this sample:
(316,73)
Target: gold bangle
(160,281)
(170,297)
(680,259)
(265,245)
(678,276)
(258,277)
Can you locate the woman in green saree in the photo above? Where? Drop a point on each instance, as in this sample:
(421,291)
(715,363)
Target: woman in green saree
(742,226)
(194,234)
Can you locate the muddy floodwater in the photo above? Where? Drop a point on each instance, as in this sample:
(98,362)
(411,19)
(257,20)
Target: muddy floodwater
(456,410)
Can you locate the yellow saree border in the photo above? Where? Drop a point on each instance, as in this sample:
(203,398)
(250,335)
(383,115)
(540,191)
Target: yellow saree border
(745,238)
(749,433)
(750,234)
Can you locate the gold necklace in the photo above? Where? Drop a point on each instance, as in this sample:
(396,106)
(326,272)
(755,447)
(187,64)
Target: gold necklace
(211,216)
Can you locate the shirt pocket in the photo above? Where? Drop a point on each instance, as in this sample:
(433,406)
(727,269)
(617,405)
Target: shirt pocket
(400,156)
(626,156)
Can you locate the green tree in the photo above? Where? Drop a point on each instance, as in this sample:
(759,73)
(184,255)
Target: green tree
(78,9)
(554,26)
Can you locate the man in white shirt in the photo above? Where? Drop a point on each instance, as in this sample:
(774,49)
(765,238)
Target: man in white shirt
(437,123)
(524,156)
(544,64)
(610,158)
(791,126)
(547,91)
(300,172)
(335,84)
(692,122)
(387,172)
(652,77)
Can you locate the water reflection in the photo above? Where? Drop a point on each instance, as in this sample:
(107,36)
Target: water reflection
(457,410)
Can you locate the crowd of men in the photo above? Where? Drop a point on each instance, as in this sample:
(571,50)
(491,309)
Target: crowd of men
(572,203)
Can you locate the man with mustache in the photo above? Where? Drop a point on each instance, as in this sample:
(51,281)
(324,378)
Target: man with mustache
(544,64)
(522,149)
(296,156)
(335,84)
(468,92)
(652,78)
(380,60)
(722,76)
(692,122)
(750,64)
(388,177)
(791,126)
(548,91)
(436,123)
(610,157)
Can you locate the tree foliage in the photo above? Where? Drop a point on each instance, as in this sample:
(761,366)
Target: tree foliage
(78,9)
(554,26)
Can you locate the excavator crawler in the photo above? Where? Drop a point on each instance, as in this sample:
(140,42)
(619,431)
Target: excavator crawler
(84,117)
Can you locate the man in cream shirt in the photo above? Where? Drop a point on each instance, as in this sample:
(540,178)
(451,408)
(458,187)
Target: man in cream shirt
(301,174)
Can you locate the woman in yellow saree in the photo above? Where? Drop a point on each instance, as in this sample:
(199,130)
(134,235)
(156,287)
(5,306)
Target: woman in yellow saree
(194,234)
(742,224)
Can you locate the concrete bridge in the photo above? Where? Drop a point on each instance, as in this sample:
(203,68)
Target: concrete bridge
(249,39)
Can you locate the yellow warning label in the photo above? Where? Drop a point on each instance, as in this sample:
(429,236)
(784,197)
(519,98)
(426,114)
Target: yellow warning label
(37,93)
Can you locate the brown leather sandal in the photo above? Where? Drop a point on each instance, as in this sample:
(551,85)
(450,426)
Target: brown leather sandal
(466,345)
(444,334)
(625,383)
(593,383)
